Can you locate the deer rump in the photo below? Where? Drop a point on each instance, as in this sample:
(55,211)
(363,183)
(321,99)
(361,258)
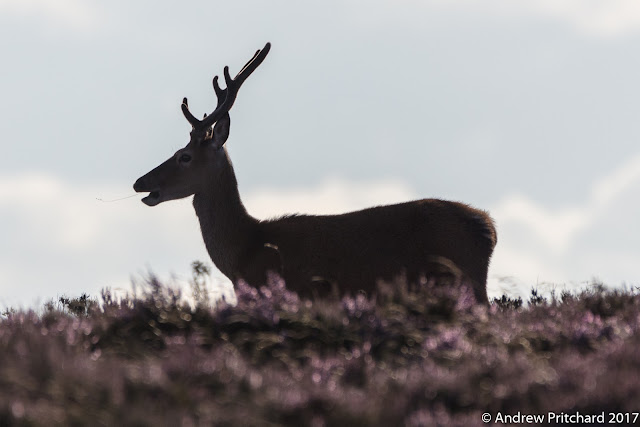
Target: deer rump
(419,241)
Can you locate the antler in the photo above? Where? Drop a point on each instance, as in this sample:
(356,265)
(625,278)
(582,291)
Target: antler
(227,96)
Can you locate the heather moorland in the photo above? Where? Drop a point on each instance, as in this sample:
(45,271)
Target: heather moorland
(416,357)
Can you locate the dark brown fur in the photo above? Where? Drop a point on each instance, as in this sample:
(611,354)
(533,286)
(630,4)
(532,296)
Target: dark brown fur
(352,251)
(422,241)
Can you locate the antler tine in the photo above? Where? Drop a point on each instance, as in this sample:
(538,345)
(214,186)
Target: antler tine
(220,93)
(254,63)
(187,114)
(254,57)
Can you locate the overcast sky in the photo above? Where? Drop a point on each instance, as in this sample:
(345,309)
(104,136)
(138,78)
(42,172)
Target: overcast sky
(526,109)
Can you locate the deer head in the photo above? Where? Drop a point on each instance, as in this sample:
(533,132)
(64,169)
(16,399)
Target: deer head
(191,167)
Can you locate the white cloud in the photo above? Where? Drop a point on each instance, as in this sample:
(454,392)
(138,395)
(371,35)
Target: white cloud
(613,186)
(77,14)
(333,196)
(539,244)
(58,238)
(45,204)
(555,228)
(596,17)
(600,18)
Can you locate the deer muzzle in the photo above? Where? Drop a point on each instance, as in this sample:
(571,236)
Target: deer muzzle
(154,196)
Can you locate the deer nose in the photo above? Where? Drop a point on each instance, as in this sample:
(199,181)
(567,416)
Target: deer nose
(138,185)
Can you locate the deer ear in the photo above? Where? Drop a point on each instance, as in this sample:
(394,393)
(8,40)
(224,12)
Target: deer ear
(221,131)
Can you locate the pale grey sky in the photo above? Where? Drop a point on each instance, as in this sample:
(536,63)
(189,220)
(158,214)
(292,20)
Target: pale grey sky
(526,109)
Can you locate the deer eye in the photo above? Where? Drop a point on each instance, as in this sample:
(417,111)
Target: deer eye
(185,158)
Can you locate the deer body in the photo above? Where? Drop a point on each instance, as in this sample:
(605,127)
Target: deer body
(382,243)
(353,251)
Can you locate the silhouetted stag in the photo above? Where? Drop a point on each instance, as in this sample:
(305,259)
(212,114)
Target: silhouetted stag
(421,241)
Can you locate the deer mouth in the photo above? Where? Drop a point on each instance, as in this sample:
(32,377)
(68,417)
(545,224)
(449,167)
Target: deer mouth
(152,199)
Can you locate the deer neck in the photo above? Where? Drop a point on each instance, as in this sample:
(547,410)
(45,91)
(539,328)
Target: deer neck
(226,226)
